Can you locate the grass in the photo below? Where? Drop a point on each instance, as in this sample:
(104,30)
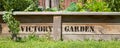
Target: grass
(7,43)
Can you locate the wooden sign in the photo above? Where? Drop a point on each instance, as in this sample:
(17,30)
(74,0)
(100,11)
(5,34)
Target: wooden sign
(68,25)
(31,27)
(0,28)
(91,28)
(68,28)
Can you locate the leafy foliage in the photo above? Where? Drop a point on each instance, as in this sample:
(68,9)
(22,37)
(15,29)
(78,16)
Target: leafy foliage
(33,6)
(73,7)
(51,9)
(114,5)
(13,25)
(96,6)
(17,5)
(1,6)
(11,22)
(82,5)
(93,6)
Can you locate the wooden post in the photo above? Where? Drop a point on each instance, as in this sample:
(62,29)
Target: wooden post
(55,3)
(0,28)
(57,28)
(47,4)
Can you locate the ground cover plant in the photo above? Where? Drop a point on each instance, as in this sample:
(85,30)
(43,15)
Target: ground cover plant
(43,43)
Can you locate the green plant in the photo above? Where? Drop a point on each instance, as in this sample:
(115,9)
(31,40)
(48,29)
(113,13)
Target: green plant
(33,6)
(43,38)
(32,36)
(17,5)
(92,6)
(61,0)
(1,6)
(51,9)
(96,6)
(48,36)
(12,23)
(81,7)
(114,5)
(73,7)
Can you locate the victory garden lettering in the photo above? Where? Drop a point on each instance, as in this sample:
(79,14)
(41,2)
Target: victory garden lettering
(50,28)
(79,29)
(36,28)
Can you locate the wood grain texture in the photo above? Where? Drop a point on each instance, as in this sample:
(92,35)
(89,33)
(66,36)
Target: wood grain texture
(47,4)
(55,4)
(65,13)
(57,27)
(92,37)
(0,29)
(106,25)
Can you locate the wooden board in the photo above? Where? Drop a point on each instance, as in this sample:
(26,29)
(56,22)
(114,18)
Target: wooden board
(0,29)
(92,37)
(69,28)
(91,28)
(31,27)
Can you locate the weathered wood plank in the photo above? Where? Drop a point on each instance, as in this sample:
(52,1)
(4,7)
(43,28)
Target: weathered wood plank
(68,28)
(55,4)
(65,13)
(106,22)
(0,29)
(57,28)
(47,4)
(92,37)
